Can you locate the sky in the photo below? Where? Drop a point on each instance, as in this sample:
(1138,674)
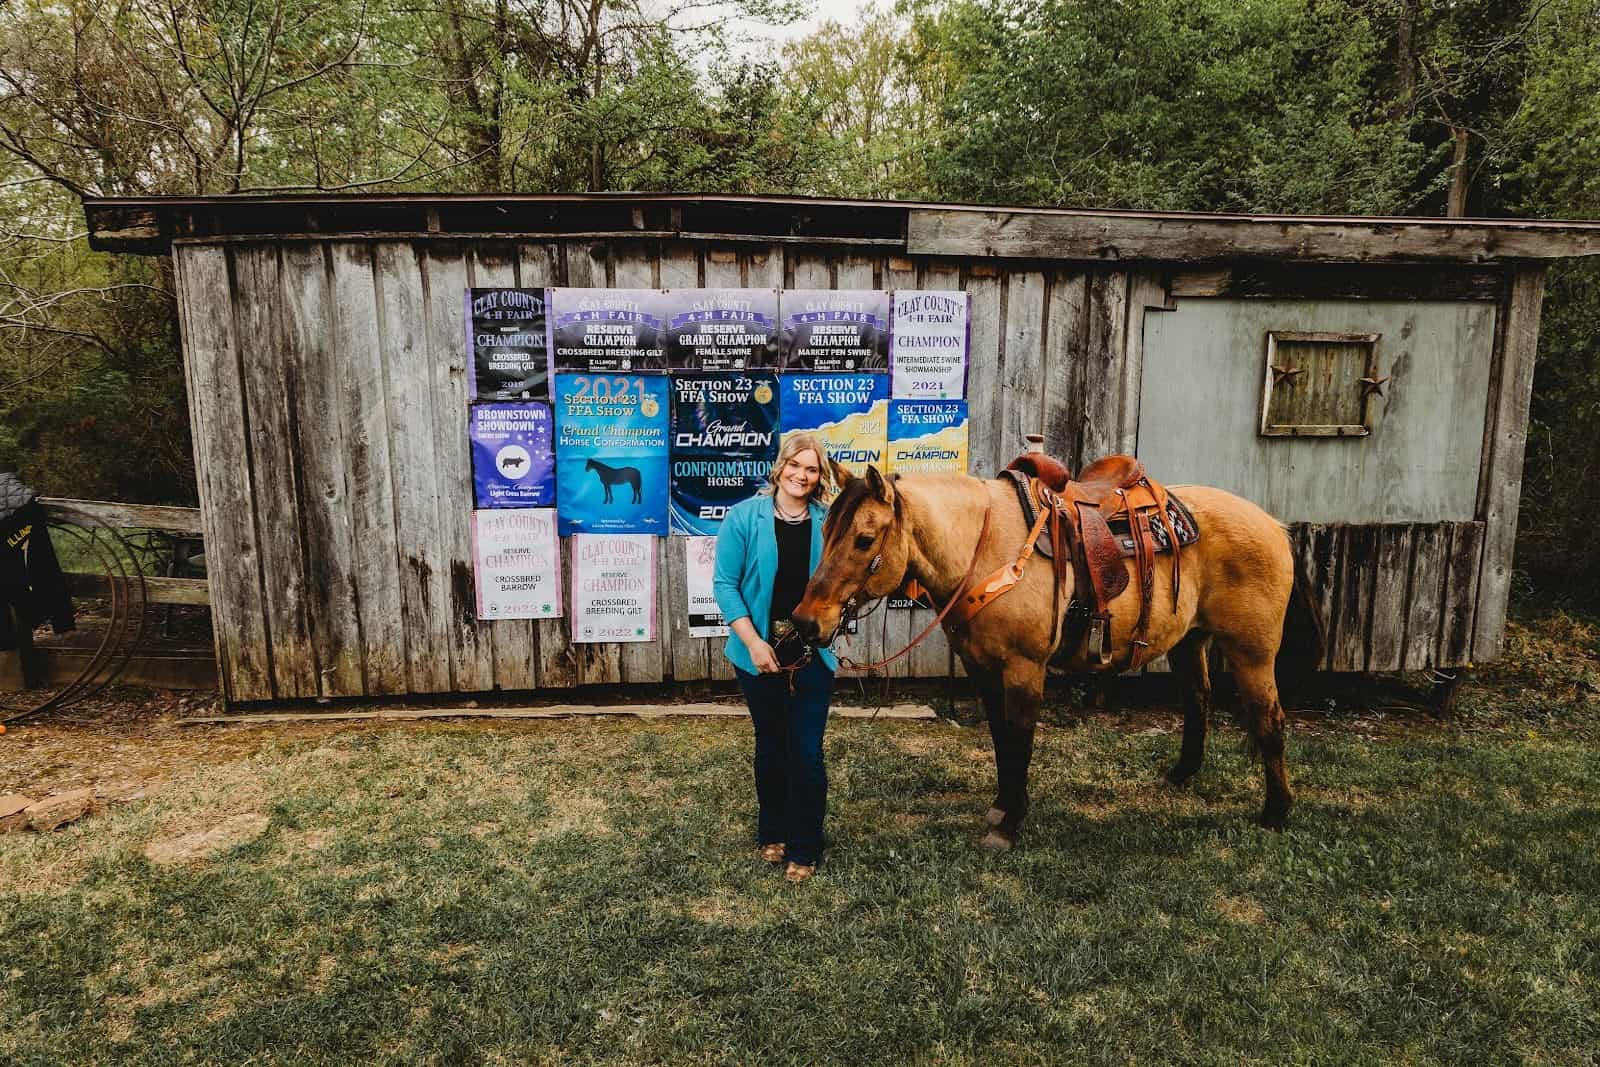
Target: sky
(761,38)
(841,11)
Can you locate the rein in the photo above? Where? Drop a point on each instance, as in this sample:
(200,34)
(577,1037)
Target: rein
(955,597)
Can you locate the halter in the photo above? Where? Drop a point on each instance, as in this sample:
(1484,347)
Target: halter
(955,598)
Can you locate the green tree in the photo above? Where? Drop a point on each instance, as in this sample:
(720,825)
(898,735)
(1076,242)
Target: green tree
(1264,105)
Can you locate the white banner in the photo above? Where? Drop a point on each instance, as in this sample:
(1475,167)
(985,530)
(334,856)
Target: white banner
(516,563)
(705,620)
(613,587)
(928,342)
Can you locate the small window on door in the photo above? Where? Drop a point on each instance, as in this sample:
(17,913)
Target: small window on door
(1320,384)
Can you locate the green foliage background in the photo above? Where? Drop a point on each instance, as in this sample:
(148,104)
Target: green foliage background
(1320,106)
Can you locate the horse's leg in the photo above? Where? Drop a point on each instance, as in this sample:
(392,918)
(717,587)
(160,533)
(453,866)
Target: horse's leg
(1191,665)
(994,707)
(1263,718)
(1013,712)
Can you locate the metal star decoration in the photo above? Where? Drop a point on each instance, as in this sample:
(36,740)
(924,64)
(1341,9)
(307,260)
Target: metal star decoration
(1285,374)
(1372,386)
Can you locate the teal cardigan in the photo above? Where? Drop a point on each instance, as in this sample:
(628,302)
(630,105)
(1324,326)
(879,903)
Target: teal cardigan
(747,565)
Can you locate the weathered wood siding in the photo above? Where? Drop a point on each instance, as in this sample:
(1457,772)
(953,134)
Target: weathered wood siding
(1394,596)
(328,391)
(1200,408)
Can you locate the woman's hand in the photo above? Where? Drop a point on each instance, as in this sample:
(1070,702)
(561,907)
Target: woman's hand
(762,656)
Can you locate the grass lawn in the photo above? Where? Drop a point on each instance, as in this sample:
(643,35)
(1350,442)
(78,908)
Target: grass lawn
(586,891)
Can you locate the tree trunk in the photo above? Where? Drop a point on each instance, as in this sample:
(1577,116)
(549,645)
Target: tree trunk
(1405,59)
(1457,206)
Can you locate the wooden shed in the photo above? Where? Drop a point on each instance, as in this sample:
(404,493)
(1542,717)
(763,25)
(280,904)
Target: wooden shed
(323,341)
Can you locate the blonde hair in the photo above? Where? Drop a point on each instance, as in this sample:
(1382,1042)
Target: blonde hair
(793,445)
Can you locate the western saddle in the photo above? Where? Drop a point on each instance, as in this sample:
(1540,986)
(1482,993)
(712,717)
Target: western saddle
(1112,511)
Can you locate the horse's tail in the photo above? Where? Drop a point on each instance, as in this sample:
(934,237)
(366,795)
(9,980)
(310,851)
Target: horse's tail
(1304,637)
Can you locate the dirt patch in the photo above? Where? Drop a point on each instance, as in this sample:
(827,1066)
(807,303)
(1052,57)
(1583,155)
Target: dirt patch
(580,812)
(724,911)
(921,743)
(1240,910)
(201,845)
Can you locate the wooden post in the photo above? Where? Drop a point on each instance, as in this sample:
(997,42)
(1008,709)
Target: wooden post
(1448,690)
(1507,434)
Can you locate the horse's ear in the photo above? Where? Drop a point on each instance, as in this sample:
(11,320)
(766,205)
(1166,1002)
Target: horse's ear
(878,485)
(841,474)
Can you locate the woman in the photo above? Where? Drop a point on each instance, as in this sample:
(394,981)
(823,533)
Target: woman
(768,547)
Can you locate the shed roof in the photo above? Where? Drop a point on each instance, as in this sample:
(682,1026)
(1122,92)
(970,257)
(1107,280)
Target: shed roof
(150,225)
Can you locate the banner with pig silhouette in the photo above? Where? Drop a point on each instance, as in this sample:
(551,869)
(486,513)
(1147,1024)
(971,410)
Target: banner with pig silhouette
(513,465)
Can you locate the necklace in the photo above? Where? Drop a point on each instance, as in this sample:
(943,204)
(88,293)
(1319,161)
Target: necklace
(792,520)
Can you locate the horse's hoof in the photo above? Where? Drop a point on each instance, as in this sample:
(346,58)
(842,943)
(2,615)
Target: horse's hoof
(994,817)
(1275,818)
(995,843)
(1178,776)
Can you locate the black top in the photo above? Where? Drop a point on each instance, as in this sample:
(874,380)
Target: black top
(30,578)
(789,585)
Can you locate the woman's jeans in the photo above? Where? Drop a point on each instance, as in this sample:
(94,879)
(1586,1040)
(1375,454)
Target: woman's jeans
(791,781)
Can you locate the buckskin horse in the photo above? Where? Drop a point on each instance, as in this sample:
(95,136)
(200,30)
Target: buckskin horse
(946,531)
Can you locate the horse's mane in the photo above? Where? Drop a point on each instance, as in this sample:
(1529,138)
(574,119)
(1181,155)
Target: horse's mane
(844,507)
(1049,470)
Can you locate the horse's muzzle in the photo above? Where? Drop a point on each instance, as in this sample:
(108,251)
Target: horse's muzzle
(808,630)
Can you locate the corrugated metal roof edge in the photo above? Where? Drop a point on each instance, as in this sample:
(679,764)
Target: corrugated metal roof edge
(149,224)
(443,199)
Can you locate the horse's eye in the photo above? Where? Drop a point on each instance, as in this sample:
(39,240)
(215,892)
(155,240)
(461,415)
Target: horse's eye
(864,541)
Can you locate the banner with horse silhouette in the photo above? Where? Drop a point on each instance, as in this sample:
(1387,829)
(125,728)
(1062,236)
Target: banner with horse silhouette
(508,352)
(513,462)
(724,441)
(611,453)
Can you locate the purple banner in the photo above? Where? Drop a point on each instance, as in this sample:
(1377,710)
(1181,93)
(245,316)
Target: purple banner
(722,329)
(835,330)
(513,462)
(608,331)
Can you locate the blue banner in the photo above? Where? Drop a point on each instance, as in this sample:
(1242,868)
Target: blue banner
(848,411)
(724,442)
(513,465)
(927,435)
(611,453)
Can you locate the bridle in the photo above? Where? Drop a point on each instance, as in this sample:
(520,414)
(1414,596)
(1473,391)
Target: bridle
(850,610)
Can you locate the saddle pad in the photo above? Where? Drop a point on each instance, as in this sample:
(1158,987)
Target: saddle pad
(1178,518)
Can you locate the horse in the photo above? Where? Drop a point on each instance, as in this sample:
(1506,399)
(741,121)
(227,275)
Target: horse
(1235,590)
(610,476)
